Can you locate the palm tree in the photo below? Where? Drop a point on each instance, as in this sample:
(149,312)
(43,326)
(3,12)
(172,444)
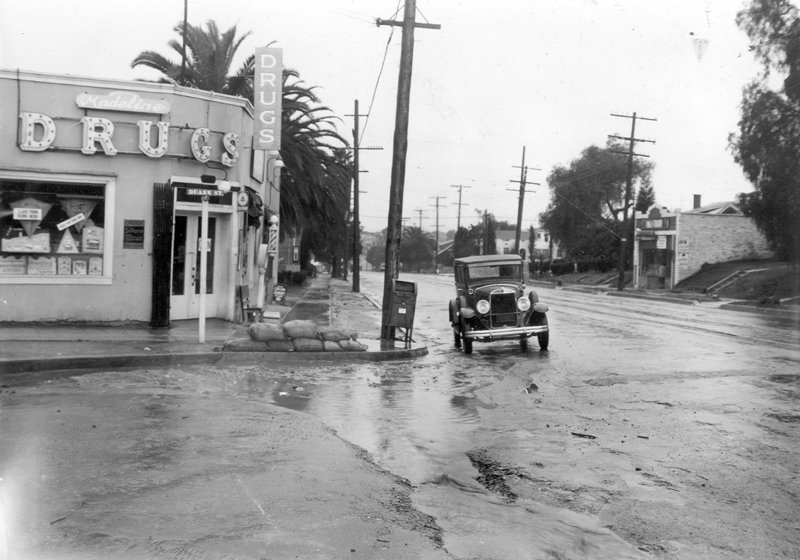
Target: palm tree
(315,180)
(209,56)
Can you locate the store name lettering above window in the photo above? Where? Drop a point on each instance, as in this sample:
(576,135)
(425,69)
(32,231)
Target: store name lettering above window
(38,133)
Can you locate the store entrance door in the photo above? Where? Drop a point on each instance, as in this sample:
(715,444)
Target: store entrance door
(185,295)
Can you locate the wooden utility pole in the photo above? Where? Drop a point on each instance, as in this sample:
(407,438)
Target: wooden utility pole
(459,203)
(523,182)
(356,236)
(419,211)
(400,147)
(356,192)
(436,251)
(626,229)
(485,244)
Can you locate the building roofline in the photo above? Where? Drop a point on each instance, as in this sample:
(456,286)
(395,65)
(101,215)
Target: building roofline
(134,85)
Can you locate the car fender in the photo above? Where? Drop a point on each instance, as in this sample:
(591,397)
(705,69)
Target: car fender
(465,311)
(453,312)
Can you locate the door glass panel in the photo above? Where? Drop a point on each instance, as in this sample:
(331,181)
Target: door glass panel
(212,243)
(179,256)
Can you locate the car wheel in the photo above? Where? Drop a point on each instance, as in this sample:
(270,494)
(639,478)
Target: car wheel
(544,340)
(523,343)
(467,345)
(465,342)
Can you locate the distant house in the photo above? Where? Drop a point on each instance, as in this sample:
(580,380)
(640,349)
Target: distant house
(670,246)
(542,247)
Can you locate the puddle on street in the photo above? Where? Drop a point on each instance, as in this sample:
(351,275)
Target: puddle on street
(422,420)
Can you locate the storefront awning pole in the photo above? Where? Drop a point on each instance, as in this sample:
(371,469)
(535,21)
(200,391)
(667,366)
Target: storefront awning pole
(201,320)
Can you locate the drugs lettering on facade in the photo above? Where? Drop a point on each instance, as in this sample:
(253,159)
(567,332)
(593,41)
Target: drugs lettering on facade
(82,157)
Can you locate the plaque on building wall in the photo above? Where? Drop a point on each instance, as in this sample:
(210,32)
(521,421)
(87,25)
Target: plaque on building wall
(133,234)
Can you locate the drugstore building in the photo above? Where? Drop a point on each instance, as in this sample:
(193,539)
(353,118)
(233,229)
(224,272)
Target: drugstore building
(102,185)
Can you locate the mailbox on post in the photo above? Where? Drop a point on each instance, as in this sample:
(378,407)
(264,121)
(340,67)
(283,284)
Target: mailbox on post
(403,305)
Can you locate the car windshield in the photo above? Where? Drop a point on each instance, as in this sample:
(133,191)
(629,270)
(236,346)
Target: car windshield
(509,271)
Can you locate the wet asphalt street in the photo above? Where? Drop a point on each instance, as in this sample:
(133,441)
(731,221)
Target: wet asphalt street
(650,430)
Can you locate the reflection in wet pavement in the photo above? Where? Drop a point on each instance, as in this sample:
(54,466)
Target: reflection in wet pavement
(425,421)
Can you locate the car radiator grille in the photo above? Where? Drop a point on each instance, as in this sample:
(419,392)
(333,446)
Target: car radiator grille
(503,310)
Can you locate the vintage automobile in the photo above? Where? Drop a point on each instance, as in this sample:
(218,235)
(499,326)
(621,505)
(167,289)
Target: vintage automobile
(493,303)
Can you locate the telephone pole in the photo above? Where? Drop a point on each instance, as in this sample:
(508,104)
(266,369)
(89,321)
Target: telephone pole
(400,147)
(626,229)
(459,203)
(523,182)
(356,224)
(436,250)
(419,211)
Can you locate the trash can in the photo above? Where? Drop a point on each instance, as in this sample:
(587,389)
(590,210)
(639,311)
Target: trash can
(403,306)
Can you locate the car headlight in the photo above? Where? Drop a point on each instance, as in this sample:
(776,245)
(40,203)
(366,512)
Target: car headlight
(483,306)
(540,307)
(523,303)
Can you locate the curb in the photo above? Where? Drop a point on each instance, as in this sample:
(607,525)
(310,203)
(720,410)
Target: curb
(33,366)
(26,370)
(667,299)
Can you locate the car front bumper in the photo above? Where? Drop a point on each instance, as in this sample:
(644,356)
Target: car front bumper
(505,332)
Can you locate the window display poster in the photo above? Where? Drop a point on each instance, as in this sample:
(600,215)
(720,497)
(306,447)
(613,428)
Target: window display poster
(43,266)
(79,267)
(67,244)
(64,266)
(92,239)
(13,266)
(96,266)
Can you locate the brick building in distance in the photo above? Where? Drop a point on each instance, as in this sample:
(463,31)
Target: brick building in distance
(670,246)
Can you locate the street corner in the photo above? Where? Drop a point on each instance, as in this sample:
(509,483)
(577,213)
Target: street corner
(304,340)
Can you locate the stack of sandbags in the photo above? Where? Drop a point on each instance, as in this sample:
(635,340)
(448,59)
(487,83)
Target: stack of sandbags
(298,336)
(271,335)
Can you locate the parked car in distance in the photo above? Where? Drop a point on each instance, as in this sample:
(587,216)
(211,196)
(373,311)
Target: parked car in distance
(493,303)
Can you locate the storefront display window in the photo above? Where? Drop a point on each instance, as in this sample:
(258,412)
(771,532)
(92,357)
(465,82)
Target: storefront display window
(53,230)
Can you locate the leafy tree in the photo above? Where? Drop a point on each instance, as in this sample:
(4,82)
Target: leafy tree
(588,198)
(531,243)
(466,243)
(377,251)
(490,235)
(416,249)
(316,177)
(767,145)
(645,198)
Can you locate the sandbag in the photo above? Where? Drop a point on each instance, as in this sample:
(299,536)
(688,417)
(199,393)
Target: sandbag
(300,328)
(334,334)
(331,346)
(244,344)
(352,345)
(265,332)
(307,344)
(279,346)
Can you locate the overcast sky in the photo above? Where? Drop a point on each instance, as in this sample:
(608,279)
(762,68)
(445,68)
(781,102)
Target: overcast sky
(544,74)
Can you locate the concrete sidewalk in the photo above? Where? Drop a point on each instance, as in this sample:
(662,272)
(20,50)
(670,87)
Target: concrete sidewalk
(31,352)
